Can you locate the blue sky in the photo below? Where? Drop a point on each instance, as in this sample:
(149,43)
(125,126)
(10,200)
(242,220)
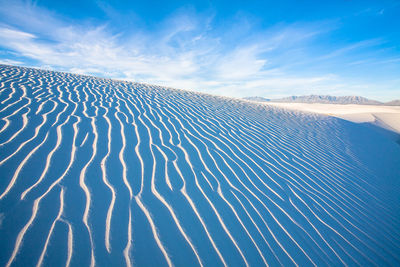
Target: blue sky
(232,48)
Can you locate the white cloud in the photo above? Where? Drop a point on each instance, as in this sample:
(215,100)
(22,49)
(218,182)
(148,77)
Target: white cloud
(15,35)
(185,51)
(7,61)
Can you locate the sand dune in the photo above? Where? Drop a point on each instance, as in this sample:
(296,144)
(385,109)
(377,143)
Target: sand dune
(101,172)
(387,117)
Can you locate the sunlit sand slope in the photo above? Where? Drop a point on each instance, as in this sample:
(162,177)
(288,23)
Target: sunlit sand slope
(96,172)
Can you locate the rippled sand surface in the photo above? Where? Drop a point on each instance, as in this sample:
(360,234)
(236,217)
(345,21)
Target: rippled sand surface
(108,173)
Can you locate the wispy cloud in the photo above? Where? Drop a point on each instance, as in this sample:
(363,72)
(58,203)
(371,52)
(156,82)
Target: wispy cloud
(187,50)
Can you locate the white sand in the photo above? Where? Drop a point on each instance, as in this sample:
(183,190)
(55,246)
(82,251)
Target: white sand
(384,116)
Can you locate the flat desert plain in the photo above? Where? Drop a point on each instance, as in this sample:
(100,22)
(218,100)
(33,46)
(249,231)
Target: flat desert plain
(387,117)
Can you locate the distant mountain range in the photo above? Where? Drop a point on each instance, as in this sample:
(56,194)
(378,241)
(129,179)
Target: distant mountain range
(393,103)
(325,99)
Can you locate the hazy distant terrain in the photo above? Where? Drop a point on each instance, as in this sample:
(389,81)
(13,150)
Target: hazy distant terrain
(101,172)
(325,99)
(393,103)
